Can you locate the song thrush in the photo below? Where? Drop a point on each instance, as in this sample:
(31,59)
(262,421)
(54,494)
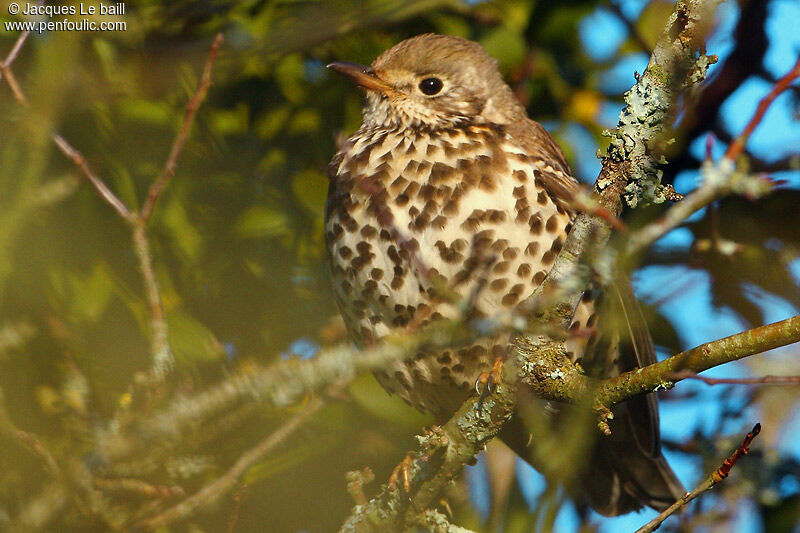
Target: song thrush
(447,183)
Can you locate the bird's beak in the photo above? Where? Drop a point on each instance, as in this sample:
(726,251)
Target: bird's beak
(360,75)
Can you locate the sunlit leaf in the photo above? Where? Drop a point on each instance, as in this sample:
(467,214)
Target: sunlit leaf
(261,221)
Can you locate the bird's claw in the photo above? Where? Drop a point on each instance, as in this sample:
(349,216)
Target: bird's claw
(402,471)
(487,381)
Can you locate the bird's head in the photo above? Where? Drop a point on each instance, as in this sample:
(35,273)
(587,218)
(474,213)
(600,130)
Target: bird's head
(433,81)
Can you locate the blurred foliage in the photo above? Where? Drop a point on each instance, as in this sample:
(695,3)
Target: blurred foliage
(237,241)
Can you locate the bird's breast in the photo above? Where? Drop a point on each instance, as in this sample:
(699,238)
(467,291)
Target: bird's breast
(410,213)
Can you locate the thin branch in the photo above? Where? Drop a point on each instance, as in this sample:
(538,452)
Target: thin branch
(178,144)
(35,444)
(554,377)
(66,148)
(30,441)
(709,483)
(674,216)
(163,358)
(703,357)
(12,55)
(763,380)
(161,352)
(228,481)
(285,382)
(238,498)
(137,487)
(99,185)
(781,85)
(13,84)
(5,66)
(719,179)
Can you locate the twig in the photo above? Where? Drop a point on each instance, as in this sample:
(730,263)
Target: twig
(229,479)
(99,185)
(29,440)
(674,216)
(720,179)
(554,377)
(285,382)
(5,66)
(717,476)
(703,357)
(163,358)
(178,144)
(63,145)
(583,202)
(16,90)
(781,85)
(35,444)
(12,55)
(238,497)
(137,486)
(161,352)
(764,380)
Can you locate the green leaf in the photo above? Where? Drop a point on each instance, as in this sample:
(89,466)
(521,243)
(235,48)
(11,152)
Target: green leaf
(261,221)
(506,45)
(190,340)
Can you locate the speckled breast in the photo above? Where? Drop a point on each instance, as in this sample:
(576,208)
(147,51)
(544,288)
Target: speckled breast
(408,210)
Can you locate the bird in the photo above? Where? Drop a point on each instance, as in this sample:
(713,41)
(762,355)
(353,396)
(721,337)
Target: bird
(449,188)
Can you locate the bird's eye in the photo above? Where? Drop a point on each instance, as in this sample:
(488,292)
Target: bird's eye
(431,86)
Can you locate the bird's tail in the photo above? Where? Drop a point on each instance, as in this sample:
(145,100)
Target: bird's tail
(617,477)
(621,477)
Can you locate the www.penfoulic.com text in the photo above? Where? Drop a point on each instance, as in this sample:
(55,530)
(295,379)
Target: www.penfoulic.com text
(49,17)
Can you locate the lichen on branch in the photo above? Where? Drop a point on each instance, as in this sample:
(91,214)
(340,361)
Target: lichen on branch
(677,64)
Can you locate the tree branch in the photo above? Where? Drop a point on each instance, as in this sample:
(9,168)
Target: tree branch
(227,482)
(192,106)
(163,359)
(762,380)
(718,180)
(630,166)
(709,483)
(285,382)
(553,376)
(781,85)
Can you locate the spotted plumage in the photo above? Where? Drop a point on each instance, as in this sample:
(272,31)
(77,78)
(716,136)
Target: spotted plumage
(447,183)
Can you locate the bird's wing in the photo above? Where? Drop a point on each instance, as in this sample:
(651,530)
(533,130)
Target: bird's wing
(531,137)
(636,351)
(626,470)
